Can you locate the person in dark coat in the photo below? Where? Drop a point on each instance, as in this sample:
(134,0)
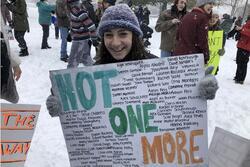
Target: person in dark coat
(226,23)
(243,52)
(233,33)
(119,23)
(139,13)
(168,23)
(90,9)
(147,33)
(192,35)
(146,13)
(20,23)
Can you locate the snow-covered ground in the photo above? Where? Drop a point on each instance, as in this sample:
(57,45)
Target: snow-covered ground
(230,109)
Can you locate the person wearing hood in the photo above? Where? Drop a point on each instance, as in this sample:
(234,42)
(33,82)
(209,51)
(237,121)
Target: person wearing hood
(192,35)
(168,23)
(45,9)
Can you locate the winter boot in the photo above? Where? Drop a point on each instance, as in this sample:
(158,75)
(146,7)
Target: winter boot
(24,52)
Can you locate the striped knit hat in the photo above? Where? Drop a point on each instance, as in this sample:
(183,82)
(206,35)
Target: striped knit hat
(119,16)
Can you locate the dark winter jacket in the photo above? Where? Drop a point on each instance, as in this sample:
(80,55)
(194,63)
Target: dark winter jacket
(227,23)
(62,14)
(192,34)
(91,11)
(146,30)
(45,10)
(19,15)
(146,14)
(167,28)
(244,41)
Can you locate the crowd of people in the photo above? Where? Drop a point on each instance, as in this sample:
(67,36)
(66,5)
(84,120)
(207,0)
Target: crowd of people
(182,31)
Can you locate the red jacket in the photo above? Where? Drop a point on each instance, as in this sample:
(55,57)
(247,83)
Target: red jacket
(244,41)
(192,35)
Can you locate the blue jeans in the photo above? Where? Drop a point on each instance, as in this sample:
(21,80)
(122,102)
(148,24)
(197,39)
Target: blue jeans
(166,54)
(63,33)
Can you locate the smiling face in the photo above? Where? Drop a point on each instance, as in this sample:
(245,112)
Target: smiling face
(208,7)
(214,19)
(118,42)
(181,4)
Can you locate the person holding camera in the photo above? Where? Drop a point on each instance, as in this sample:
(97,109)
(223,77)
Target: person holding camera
(167,24)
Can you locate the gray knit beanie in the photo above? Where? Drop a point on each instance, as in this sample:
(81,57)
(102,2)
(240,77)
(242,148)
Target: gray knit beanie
(119,16)
(203,2)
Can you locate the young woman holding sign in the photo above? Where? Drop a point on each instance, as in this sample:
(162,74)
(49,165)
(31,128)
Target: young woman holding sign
(121,40)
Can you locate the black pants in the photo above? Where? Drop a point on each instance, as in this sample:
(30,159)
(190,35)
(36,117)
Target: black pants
(45,35)
(241,60)
(19,36)
(56,32)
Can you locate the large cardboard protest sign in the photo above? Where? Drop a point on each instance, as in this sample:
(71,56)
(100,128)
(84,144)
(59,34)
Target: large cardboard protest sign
(215,42)
(138,113)
(18,122)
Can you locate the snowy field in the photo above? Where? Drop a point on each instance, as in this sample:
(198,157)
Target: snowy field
(230,110)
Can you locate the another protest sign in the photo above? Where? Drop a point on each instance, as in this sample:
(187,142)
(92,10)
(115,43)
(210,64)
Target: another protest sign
(18,122)
(228,149)
(215,41)
(137,113)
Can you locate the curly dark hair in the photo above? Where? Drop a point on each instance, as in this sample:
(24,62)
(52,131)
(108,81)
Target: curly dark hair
(174,10)
(137,52)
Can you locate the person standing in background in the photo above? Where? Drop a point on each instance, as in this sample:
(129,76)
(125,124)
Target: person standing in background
(45,9)
(226,23)
(168,23)
(82,30)
(243,52)
(98,12)
(64,26)
(20,23)
(192,35)
(146,13)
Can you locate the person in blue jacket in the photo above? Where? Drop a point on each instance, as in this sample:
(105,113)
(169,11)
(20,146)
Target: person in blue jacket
(45,9)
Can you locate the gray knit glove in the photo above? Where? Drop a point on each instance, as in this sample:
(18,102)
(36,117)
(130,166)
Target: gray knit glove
(53,105)
(208,85)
